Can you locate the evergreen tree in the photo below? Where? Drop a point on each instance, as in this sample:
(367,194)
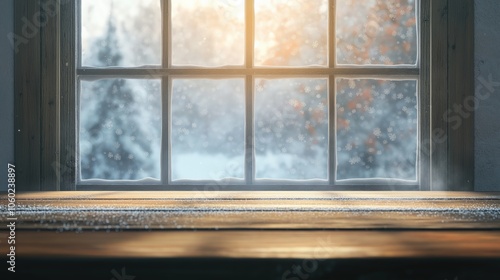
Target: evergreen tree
(108,54)
(113,122)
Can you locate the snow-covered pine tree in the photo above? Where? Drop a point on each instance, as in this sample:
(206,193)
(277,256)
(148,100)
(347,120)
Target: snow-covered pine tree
(115,141)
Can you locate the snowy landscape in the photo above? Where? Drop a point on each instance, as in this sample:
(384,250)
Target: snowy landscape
(376,118)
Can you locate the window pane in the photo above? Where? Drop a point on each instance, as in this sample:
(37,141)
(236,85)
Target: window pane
(291,128)
(120,129)
(291,33)
(120,33)
(377,129)
(208,33)
(208,129)
(376,32)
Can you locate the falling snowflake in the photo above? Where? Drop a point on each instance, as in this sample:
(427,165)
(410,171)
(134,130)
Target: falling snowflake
(108,124)
(294,103)
(354,160)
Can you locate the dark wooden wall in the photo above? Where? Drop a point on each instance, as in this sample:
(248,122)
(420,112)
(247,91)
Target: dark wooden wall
(452,48)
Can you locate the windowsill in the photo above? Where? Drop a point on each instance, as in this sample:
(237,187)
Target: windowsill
(258,224)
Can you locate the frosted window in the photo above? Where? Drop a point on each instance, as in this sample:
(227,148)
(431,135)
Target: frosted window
(208,33)
(120,129)
(376,32)
(291,128)
(291,33)
(120,33)
(377,129)
(208,129)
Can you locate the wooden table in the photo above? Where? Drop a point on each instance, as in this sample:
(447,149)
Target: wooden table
(258,234)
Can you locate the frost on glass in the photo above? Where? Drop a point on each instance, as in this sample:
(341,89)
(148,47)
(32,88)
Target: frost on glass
(376,32)
(291,33)
(123,33)
(377,129)
(291,129)
(208,33)
(207,129)
(120,129)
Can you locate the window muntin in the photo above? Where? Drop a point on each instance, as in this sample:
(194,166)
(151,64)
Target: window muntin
(394,69)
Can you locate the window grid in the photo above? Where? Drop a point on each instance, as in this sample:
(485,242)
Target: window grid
(167,72)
